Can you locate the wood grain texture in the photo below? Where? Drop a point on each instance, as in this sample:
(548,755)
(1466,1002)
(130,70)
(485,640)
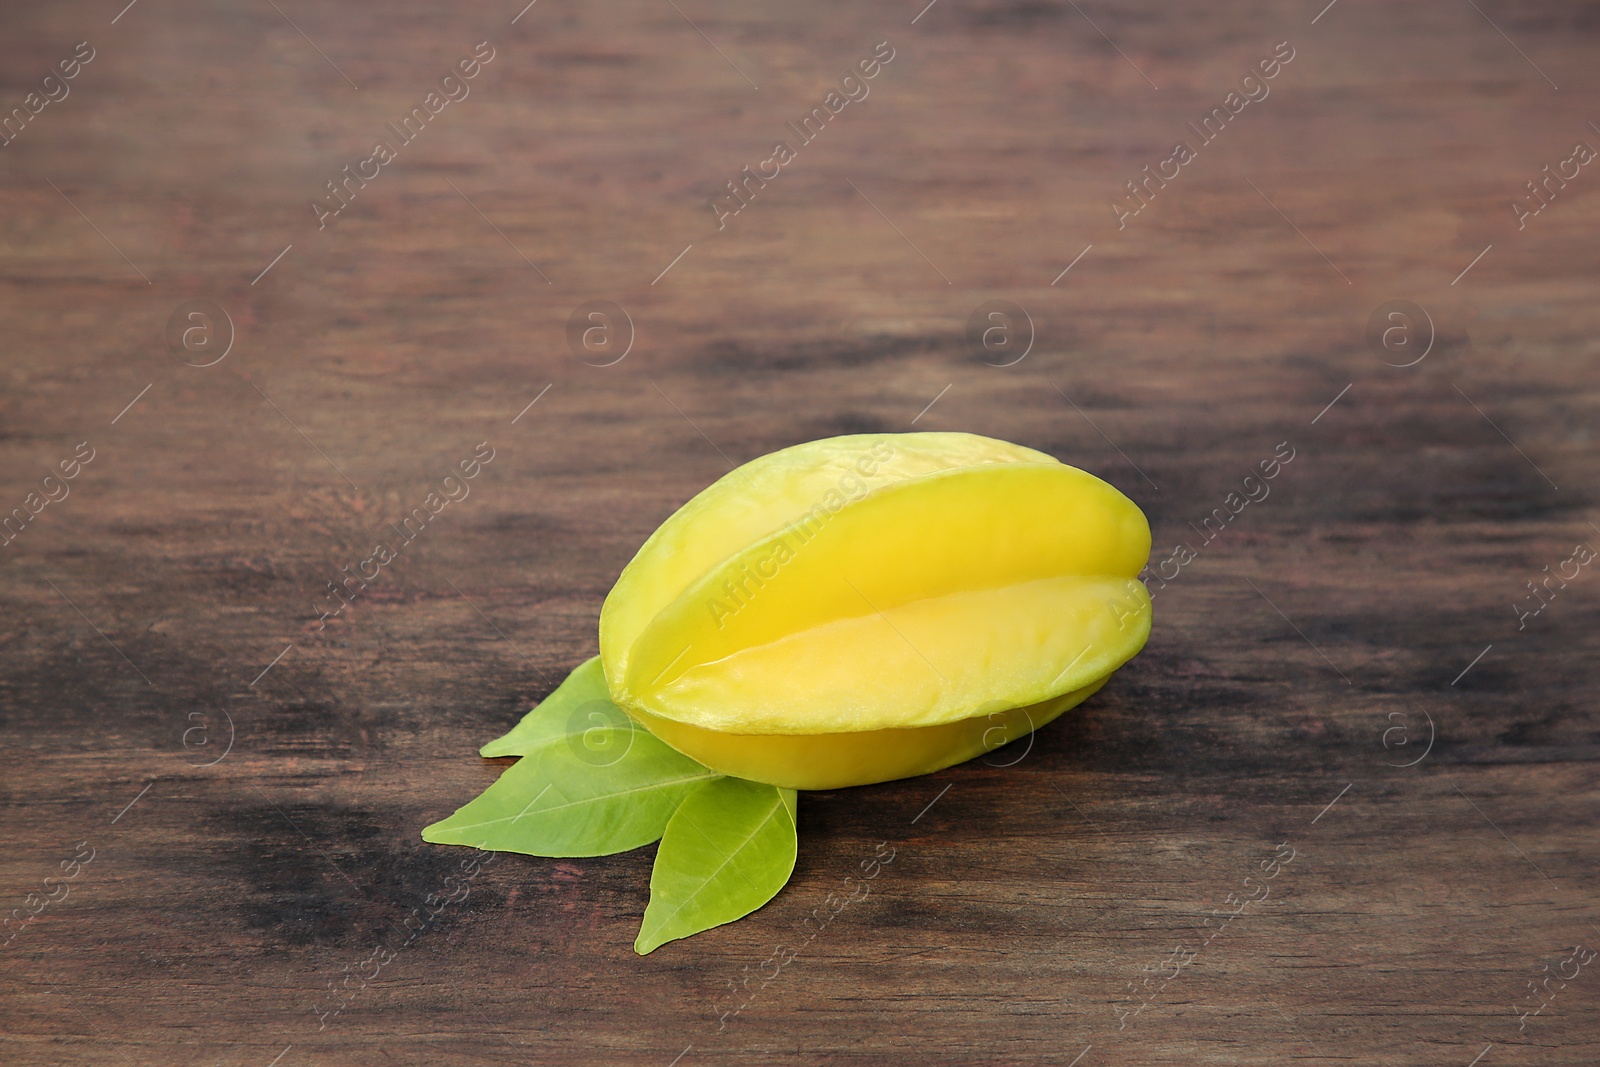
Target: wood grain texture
(166,605)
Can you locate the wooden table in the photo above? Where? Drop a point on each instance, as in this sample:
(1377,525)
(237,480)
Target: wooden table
(1338,681)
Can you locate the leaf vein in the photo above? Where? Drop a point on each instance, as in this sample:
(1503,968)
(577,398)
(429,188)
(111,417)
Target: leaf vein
(778,803)
(588,800)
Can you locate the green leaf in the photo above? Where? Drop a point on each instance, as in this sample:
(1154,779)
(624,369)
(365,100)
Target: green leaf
(728,850)
(580,703)
(564,799)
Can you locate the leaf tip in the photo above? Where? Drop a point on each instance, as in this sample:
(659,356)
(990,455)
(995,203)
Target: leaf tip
(647,943)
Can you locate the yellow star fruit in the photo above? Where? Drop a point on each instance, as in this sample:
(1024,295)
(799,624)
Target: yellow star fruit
(876,606)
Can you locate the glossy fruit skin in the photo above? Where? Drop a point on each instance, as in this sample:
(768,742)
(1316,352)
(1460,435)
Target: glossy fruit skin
(834,761)
(878,606)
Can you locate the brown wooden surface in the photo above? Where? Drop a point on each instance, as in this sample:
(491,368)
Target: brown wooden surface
(221,905)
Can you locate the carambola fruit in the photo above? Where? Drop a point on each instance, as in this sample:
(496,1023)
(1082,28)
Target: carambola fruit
(876,606)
